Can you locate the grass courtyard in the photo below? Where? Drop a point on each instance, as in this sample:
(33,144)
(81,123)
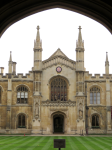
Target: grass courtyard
(46,143)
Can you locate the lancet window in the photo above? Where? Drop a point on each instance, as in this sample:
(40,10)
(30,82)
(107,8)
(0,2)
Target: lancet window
(21,121)
(95,95)
(22,95)
(58,89)
(95,121)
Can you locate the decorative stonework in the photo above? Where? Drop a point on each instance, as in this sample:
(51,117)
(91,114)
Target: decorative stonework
(58,103)
(80,108)
(36,108)
(102,113)
(108,108)
(58,69)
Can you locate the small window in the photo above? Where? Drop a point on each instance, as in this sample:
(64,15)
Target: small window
(21,121)
(94,95)
(95,121)
(22,95)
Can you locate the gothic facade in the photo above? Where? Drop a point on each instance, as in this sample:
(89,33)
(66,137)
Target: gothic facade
(57,96)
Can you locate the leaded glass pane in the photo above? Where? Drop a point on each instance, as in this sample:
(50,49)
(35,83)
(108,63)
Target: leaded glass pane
(94,98)
(18,95)
(91,98)
(26,95)
(22,95)
(94,95)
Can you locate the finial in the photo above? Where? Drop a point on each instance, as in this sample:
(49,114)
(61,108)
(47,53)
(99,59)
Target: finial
(10,59)
(79,28)
(38,27)
(106,56)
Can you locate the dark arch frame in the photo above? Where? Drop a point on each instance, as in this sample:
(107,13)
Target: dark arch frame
(21,120)
(12,11)
(60,126)
(95,123)
(64,121)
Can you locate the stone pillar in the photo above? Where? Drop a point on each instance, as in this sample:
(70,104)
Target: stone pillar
(27,122)
(0,121)
(2,70)
(9,100)
(15,122)
(36,102)
(14,68)
(108,104)
(80,114)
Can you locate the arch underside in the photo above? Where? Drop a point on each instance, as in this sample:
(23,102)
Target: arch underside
(12,11)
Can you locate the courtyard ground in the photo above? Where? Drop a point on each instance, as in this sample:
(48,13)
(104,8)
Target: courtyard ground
(46,143)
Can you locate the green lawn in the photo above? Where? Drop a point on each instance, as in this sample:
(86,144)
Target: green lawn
(46,143)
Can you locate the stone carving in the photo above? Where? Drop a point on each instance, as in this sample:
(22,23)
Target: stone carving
(80,108)
(80,111)
(36,108)
(58,103)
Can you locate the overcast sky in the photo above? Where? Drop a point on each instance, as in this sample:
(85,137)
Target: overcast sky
(58,29)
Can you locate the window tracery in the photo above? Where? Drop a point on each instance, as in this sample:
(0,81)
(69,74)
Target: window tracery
(58,89)
(22,95)
(95,95)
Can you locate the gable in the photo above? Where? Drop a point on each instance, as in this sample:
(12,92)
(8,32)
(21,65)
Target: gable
(58,53)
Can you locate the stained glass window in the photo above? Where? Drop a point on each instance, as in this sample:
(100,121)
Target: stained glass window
(58,89)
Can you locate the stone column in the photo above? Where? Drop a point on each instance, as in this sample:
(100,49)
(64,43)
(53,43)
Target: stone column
(108,102)
(27,122)
(80,113)
(0,121)
(9,100)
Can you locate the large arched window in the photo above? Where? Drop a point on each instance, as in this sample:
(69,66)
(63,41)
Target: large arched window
(95,95)
(58,89)
(22,94)
(95,121)
(21,121)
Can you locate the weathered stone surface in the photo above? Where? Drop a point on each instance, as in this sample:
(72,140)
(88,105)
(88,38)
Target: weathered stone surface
(40,113)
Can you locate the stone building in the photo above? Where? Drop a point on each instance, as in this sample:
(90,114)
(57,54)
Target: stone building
(57,96)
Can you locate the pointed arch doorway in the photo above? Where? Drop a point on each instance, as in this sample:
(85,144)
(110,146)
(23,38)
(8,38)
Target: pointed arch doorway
(58,123)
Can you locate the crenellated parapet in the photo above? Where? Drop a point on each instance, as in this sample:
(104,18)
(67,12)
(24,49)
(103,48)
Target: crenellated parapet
(97,77)
(17,77)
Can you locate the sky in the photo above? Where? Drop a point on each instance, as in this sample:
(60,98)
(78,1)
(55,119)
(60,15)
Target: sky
(58,29)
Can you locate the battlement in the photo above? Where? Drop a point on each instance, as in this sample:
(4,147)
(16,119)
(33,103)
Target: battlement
(19,76)
(97,76)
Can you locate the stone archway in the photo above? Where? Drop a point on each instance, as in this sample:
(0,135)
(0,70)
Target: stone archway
(12,11)
(58,122)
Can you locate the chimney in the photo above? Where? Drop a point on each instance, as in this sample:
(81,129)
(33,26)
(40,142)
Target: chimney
(2,69)
(14,68)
